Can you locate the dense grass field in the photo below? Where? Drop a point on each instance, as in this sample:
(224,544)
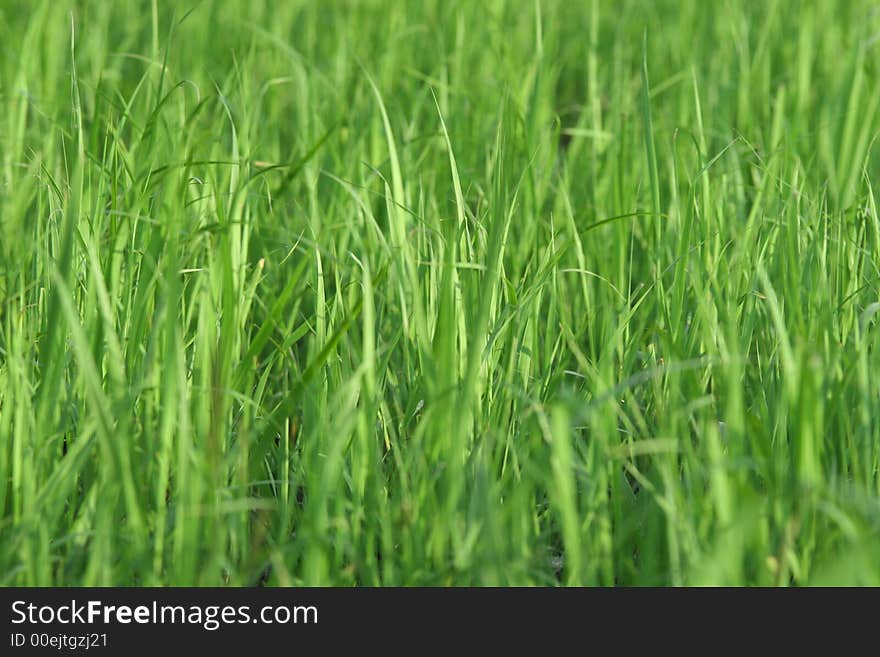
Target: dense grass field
(439,292)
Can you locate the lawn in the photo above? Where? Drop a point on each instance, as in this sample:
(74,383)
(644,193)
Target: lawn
(439,292)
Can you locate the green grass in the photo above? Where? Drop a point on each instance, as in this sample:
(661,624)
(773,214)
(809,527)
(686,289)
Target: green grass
(439,292)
